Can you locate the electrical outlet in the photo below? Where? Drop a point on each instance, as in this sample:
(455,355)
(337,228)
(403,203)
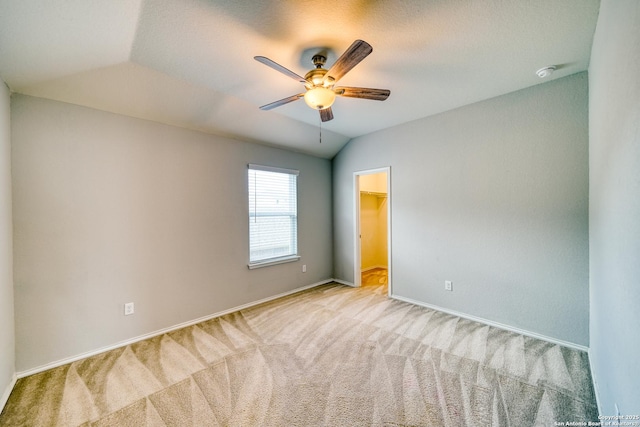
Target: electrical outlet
(304,268)
(128,308)
(448,285)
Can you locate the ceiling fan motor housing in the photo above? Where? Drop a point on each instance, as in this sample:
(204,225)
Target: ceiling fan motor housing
(316,77)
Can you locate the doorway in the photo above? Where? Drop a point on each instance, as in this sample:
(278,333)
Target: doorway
(372,260)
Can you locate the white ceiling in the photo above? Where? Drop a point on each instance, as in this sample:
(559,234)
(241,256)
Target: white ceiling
(190,62)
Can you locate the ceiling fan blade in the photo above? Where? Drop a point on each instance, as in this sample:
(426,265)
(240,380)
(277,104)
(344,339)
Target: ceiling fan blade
(326,114)
(282,102)
(349,59)
(287,72)
(363,92)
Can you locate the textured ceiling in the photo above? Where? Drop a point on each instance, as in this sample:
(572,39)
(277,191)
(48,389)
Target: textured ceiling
(190,62)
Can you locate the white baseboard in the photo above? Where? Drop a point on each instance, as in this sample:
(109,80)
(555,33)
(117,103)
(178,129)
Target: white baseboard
(344,282)
(595,385)
(494,324)
(71,359)
(7,391)
(81,356)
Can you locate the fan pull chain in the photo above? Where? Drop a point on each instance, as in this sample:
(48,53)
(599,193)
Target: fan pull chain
(320,125)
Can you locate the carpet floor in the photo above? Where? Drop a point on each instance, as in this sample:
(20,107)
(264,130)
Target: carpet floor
(329,356)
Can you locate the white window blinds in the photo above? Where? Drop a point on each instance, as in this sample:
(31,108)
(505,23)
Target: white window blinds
(273,215)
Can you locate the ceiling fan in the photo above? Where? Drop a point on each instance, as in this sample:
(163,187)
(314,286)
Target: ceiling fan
(319,82)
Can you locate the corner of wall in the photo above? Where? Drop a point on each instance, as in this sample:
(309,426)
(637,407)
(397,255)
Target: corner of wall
(7,392)
(7,320)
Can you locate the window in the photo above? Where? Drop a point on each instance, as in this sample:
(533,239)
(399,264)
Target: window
(273,216)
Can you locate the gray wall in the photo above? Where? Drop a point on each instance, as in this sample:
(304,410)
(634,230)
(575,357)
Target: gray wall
(614,205)
(7,331)
(493,196)
(109,209)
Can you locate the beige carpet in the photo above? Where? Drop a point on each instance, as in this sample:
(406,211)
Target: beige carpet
(330,356)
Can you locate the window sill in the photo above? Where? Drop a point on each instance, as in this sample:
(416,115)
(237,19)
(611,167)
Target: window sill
(275,261)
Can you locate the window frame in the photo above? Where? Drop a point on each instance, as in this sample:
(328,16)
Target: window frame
(276,259)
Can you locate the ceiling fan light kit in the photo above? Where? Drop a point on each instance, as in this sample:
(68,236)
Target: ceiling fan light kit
(319,94)
(319,82)
(319,98)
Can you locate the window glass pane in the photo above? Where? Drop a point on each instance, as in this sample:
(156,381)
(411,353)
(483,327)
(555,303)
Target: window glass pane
(272,215)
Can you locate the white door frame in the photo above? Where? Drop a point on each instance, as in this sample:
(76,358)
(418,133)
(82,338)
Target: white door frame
(357,269)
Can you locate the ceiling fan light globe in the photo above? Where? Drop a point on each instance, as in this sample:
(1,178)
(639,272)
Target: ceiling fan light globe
(319,98)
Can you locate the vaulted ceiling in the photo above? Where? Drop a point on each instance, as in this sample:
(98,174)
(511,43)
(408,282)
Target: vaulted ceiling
(190,62)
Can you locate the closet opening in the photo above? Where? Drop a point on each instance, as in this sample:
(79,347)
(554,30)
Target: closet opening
(372,260)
